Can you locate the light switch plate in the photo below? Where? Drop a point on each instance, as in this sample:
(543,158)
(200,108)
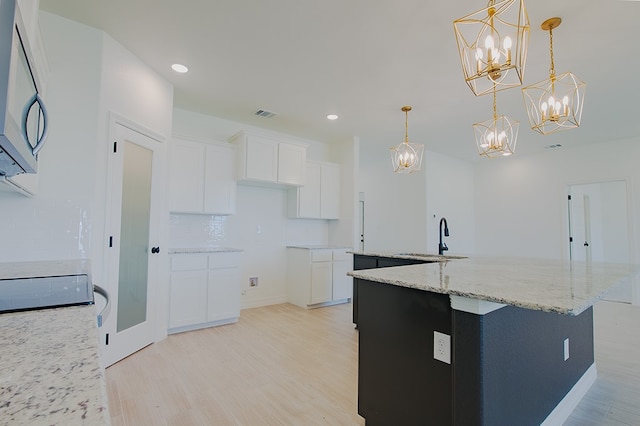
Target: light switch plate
(442,347)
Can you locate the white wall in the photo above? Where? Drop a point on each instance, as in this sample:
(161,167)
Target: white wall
(395,204)
(346,231)
(402,212)
(520,204)
(450,193)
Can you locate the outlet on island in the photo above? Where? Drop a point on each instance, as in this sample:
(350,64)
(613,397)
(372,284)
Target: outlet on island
(442,347)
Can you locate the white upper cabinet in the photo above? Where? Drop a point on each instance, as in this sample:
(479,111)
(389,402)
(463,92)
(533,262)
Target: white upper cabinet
(292,161)
(319,198)
(262,159)
(202,178)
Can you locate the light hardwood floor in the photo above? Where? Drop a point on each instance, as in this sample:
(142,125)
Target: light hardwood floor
(283,365)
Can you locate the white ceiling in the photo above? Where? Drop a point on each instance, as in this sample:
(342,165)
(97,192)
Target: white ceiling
(365,59)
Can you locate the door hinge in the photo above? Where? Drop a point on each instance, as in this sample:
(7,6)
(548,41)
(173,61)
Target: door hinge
(106,340)
(111,241)
(115,147)
(570,239)
(569,197)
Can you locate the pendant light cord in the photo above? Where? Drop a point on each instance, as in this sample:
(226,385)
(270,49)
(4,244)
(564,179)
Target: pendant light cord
(552,70)
(406,127)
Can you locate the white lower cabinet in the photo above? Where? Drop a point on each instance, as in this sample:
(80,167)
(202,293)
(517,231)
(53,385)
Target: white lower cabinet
(205,290)
(318,277)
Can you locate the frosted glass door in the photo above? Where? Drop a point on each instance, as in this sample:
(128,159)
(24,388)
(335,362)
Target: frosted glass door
(134,235)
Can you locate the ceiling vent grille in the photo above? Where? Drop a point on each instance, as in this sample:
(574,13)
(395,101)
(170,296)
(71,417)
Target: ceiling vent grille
(553,146)
(264,113)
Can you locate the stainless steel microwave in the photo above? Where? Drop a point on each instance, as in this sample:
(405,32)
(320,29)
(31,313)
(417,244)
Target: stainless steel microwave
(23,115)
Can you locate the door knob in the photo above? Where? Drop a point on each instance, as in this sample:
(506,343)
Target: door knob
(586,244)
(155,250)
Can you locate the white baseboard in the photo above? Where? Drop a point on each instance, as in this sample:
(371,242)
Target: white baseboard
(264,301)
(564,409)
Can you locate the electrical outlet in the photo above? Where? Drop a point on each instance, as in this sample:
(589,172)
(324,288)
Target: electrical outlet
(566,349)
(442,347)
(253,282)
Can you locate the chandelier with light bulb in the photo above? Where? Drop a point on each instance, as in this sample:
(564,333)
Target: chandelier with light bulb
(492,44)
(406,157)
(556,103)
(496,136)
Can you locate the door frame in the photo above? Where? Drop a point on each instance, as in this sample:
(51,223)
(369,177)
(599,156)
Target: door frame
(158,312)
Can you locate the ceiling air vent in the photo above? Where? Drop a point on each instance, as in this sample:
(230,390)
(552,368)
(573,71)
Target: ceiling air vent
(264,113)
(553,146)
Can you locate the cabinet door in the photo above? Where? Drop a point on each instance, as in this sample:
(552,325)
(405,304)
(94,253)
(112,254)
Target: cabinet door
(292,164)
(342,283)
(330,191)
(220,183)
(321,282)
(186,179)
(309,194)
(261,159)
(224,294)
(188,305)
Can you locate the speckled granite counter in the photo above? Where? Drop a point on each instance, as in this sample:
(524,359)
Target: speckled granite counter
(426,257)
(545,285)
(195,250)
(50,371)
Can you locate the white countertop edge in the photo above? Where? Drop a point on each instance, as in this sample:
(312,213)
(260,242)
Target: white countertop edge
(474,306)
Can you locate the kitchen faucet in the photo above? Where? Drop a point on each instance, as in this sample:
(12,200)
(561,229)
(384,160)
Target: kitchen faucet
(442,247)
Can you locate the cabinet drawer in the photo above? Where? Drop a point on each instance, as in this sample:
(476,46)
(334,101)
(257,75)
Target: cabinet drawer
(321,255)
(224,260)
(188,262)
(341,254)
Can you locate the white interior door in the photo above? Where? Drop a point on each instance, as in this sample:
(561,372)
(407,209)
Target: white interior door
(132,259)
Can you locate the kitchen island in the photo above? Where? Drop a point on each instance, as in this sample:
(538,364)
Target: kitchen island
(478,341)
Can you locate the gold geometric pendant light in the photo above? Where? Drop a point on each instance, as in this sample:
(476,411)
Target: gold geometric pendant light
(497,136)
(554,104)
(406,157)
(492,44)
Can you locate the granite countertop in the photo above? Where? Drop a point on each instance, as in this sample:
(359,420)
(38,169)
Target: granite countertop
(196,250)
(50,372)
(545,285)
(427,257)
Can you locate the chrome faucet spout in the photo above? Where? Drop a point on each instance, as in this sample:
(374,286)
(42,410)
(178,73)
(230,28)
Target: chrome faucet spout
(442,247)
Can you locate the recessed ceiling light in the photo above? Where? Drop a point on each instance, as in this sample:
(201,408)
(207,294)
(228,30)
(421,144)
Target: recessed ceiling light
(179,68)
(332,117)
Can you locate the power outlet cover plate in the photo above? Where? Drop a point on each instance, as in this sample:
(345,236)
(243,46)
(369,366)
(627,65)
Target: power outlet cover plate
(442,347)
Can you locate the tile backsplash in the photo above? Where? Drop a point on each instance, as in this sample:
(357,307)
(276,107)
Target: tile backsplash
(193,230)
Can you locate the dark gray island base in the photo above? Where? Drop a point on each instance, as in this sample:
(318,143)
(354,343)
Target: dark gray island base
(478,341)
(507,366)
